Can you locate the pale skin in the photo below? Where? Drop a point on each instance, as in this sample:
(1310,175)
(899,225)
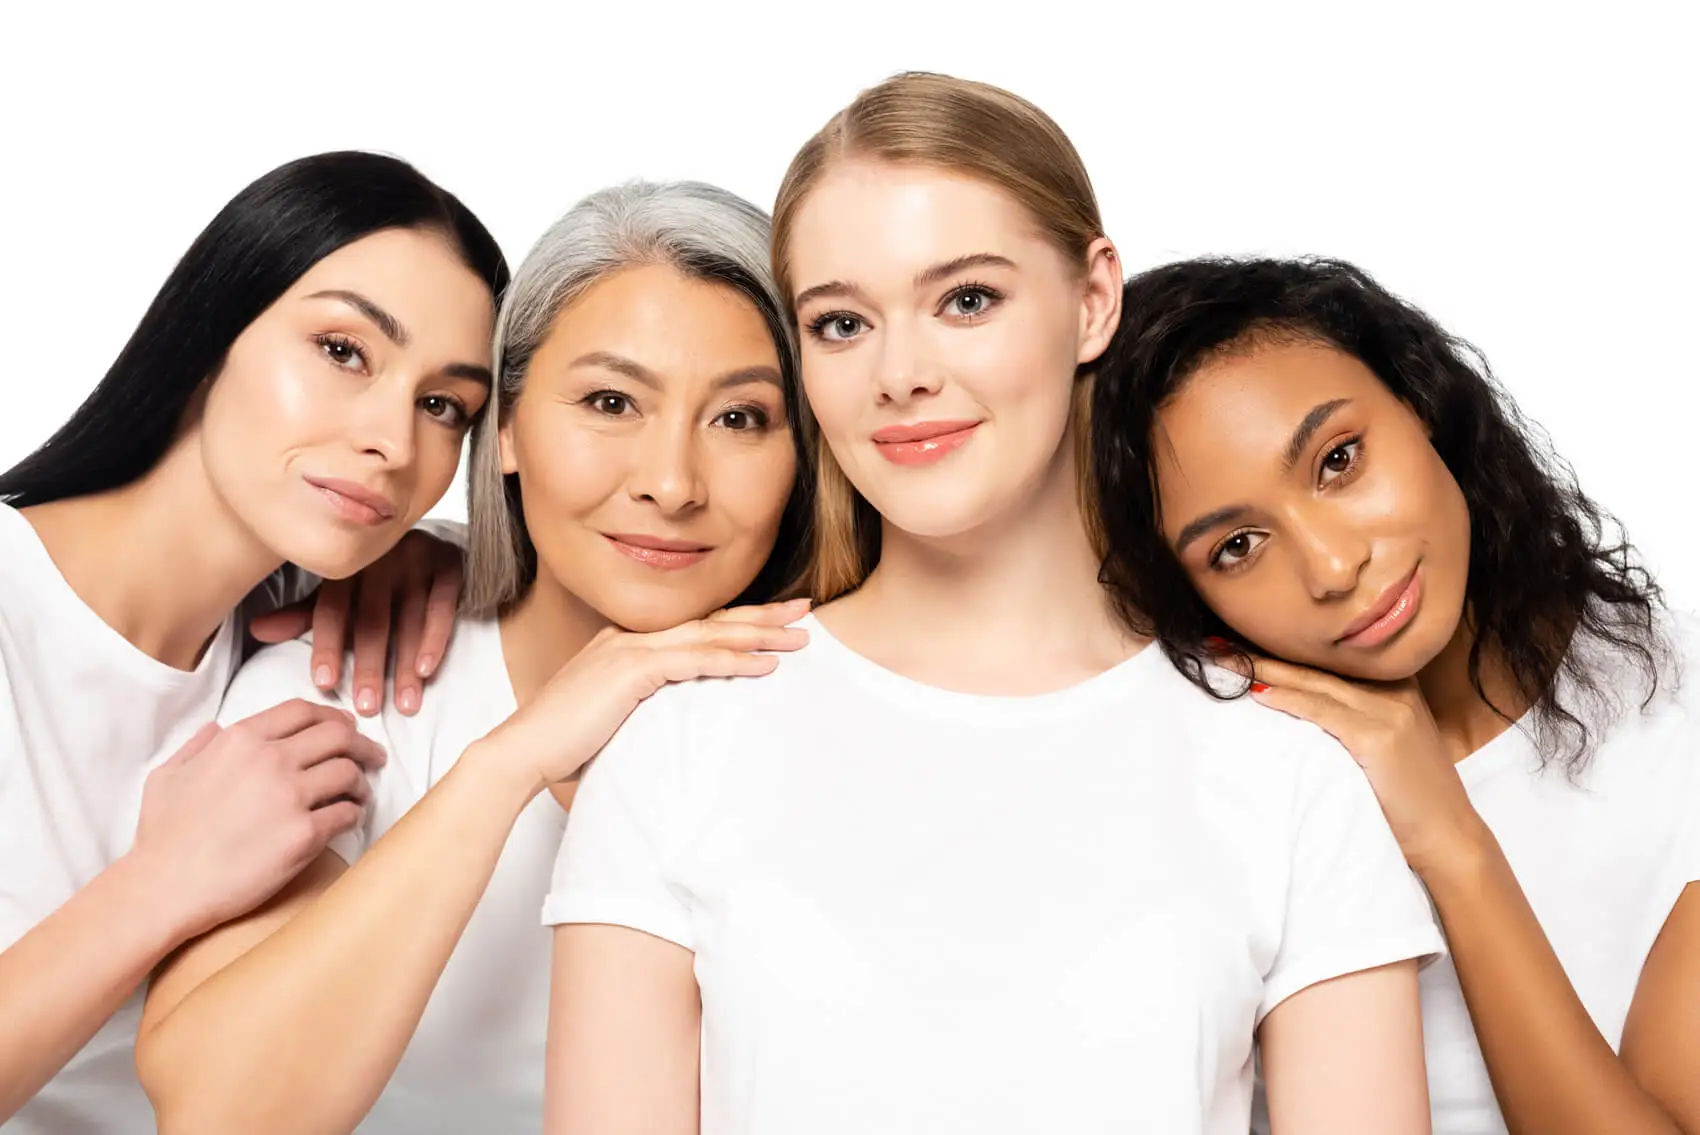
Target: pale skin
(1367,502)
(653,408)
(235,813)
(933,297)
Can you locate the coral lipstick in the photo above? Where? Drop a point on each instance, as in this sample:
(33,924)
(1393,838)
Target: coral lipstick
(923,443)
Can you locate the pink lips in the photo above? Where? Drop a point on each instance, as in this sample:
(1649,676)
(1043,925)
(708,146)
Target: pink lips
(656,551)
(1391,614)
(922,443)
(354,502)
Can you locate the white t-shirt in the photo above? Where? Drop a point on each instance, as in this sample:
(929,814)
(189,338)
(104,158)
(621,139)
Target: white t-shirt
(476,1061)
(81,712)
(1602,860)
(914,910)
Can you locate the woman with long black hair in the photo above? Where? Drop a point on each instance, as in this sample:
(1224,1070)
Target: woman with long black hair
(298,393)
(1304,478)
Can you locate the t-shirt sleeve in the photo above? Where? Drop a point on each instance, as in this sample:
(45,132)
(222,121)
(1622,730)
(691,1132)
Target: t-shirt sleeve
(612,866)
(1352,902)
(282,672)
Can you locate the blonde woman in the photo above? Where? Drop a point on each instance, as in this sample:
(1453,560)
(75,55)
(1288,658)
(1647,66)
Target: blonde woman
(975,858)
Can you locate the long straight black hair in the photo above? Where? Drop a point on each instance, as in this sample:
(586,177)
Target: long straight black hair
(254,250)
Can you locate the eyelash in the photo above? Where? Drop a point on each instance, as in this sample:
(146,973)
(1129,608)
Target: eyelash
(1346,475)
(761,419)
(817,326)
(331,340)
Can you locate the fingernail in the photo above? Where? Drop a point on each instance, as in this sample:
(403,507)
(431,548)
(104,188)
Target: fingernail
(1217,645)
(322,676)
(1259,688)
(425,665)
(366,701)
(408,700)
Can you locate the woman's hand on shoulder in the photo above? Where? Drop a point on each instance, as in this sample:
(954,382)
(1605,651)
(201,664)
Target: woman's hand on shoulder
(580,709)
(236,812)
(1388,729)
(409,597)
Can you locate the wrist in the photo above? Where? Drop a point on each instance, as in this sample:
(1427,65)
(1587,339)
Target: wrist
(156,900)
(1462,857)
(500,771)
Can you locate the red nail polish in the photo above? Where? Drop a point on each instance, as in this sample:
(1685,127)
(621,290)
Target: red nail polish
(1216,645)
(1259,688)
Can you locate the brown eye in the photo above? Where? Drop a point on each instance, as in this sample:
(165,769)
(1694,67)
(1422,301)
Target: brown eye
(1340,460)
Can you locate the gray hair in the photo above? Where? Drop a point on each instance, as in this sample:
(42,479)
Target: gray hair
(701,230)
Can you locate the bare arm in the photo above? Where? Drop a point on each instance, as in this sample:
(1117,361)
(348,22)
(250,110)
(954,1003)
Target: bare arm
(624,1025)
(1346,1056)
(1552,1071)
(294,1018)
(60,982)
(1661,1039)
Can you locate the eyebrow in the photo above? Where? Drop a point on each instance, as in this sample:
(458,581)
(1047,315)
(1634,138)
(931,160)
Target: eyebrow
(1313,421)
(925,278)
(637,372)
(397,334)
(387,323)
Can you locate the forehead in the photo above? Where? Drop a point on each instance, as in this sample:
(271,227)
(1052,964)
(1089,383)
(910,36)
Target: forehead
(871,222)
(1248,399)
(670,322)
(417,276)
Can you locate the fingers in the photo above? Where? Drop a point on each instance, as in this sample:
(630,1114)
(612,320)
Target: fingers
(440,609)
(333,819)
(330,631)
(770,613)
(291,717)
(409,631)
(371,640)
(284,623)
(746,636)
(1273,672)
(193,746)
(684,664)
(1337,720)
(334,780)
(328,740)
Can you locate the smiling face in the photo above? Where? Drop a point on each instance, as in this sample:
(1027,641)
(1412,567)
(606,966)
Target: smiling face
(338,416)
(652,447)
(1310,511)
(941,333)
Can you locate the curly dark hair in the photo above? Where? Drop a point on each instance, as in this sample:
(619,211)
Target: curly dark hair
(1549,569)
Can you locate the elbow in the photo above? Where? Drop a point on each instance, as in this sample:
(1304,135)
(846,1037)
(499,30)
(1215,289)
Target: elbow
(186,1097)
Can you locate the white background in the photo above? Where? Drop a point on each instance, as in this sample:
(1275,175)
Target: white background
(1524,172)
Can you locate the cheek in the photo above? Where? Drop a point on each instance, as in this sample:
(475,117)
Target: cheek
(752,490)
(564,474)
(264,405)
(837,389)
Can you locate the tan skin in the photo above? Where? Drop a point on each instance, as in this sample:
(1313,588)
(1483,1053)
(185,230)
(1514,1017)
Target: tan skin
(1312,546)
(987,583)
(652,409)
(311,388)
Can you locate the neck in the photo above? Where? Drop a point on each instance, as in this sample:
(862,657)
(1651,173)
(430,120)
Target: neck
(162,560)
(542,633)
(1011,607)
(1466,720)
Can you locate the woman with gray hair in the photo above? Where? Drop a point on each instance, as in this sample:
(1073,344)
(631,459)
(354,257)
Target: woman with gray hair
(639,471)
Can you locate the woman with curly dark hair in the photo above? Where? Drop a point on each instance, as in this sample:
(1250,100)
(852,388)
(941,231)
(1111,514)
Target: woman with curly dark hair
(1307,482)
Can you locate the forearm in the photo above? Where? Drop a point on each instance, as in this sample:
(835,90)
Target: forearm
(65,978)
(1552,1071)
(303,1031)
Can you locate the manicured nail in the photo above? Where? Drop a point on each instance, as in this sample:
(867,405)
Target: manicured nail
(1216,645)
(408,700)
(425,665)
(322,677)
(1259,688)
(366,701)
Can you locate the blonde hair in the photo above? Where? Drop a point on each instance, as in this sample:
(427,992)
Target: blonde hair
(983,132)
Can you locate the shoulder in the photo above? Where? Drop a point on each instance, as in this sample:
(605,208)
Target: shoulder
(275,674)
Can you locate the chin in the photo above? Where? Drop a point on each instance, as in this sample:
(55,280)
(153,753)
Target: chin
(331,555)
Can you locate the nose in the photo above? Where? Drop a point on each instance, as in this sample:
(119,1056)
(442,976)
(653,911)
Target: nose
(906,369)
(1332,553)
(382,424)
(667,468)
